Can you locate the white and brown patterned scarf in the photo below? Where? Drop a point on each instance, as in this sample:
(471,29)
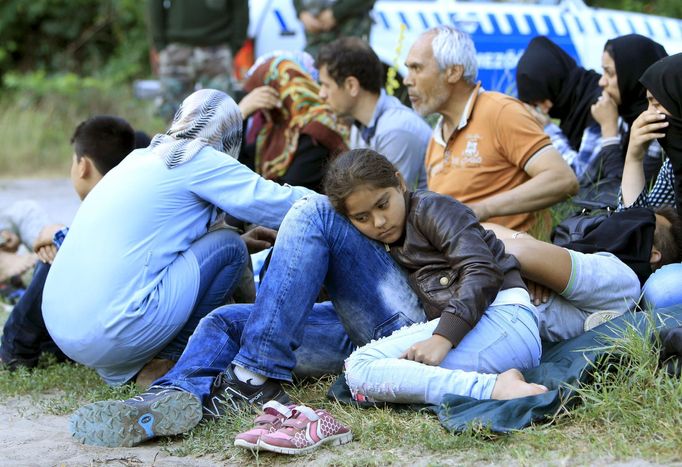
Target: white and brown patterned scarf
(206,118)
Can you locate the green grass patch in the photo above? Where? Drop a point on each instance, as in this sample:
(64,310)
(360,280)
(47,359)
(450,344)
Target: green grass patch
(36,129)
(631,411)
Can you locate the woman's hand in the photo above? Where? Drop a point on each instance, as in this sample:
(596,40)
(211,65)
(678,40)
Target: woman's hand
(647,127)
(605,112)
(431,351)
(263,97)
(259,239)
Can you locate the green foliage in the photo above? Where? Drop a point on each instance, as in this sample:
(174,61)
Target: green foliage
(85,37)
(671,8)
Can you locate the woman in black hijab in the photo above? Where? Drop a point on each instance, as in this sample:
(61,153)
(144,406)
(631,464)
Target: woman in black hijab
(554,86)
(661,121)
(624,61)
(546,72)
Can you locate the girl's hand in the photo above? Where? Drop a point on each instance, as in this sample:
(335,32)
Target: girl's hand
(431,351)
(647,127)
(605,112)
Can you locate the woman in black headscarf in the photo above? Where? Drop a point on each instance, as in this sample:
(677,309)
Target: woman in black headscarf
(662,121)
(624,60)
(554,86)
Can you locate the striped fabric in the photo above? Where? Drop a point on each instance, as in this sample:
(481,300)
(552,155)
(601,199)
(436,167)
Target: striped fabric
(206,118)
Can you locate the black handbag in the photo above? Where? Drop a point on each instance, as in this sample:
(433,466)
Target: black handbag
(628,234)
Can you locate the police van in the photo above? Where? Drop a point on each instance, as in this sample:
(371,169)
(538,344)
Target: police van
(500,30)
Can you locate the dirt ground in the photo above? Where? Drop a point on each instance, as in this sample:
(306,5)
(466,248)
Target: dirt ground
(55,195)
(28,438)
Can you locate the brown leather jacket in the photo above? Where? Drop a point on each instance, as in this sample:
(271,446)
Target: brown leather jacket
(455,265)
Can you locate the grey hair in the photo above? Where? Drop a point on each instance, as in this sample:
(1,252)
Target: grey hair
(452,46)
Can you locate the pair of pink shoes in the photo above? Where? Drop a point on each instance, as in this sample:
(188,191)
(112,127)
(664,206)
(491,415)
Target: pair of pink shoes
(293,429)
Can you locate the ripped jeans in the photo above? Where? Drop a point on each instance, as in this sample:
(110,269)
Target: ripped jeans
(506,337)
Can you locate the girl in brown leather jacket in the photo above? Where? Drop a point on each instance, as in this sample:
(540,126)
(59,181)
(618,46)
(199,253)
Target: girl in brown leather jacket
(482,322)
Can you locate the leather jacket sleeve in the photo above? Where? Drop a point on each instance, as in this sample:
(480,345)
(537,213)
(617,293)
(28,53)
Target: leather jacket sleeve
(453,229)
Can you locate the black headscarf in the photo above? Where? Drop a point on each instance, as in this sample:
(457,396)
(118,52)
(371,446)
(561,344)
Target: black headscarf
(633,54)
(663,79)
(545,71)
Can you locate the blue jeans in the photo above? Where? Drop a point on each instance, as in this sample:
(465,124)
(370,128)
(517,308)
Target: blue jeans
(25,336)
(217,340)
(222,257)
(662,288)
(315,246)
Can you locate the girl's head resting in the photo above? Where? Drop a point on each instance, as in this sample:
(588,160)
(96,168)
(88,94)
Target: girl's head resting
(364,186)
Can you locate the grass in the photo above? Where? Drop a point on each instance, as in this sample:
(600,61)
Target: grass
(631,411)
(36,132)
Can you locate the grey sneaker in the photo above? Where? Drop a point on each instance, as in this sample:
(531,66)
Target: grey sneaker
(161,411)
(228,394)
(600,317)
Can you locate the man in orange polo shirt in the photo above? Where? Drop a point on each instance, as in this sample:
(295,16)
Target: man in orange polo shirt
(487,150)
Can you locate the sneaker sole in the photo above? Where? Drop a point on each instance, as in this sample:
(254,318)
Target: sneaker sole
(115,423)
(334,440)
(242,443)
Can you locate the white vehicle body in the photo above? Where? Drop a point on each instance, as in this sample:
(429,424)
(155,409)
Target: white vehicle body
(500,30)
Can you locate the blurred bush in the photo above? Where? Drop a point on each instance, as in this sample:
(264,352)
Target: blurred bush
(103,39)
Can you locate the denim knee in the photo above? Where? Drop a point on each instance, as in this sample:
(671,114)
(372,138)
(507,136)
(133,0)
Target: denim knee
(662,288)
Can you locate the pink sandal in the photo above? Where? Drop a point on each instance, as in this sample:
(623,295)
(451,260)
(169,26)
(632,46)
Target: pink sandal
(305,431)
(274,413)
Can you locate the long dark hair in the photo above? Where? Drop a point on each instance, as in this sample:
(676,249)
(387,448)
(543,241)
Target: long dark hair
(356,168)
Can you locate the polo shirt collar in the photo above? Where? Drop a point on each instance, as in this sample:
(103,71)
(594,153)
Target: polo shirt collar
(464,119)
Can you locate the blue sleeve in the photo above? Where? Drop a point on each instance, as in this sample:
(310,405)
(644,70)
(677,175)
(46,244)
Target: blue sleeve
(240,192)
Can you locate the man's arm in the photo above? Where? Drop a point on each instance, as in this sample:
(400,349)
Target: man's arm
(552,180)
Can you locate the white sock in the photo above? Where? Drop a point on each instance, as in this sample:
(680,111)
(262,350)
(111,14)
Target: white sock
(247,376)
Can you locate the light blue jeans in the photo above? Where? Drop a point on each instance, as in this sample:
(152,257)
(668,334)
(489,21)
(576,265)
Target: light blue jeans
(506,337)
(286,332)
(662,288)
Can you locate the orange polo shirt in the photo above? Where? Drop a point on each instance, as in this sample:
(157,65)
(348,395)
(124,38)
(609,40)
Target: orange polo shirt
(486,154)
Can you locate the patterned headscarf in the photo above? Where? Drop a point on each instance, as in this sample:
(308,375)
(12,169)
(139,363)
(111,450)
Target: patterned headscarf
(302,112)
(206,118)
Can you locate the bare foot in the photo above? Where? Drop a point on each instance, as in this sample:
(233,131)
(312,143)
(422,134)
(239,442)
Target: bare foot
(12,264)
(511,385)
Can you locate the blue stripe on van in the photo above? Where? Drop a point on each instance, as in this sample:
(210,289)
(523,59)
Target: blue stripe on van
(581,29)
(596,25)
(424,22)
(649,29)
(384,20)
(632,26)
(550,27)
(493,22)
(280,20)
(531,24)
(403,19)
(514,27)
(615,27)
(436,16)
